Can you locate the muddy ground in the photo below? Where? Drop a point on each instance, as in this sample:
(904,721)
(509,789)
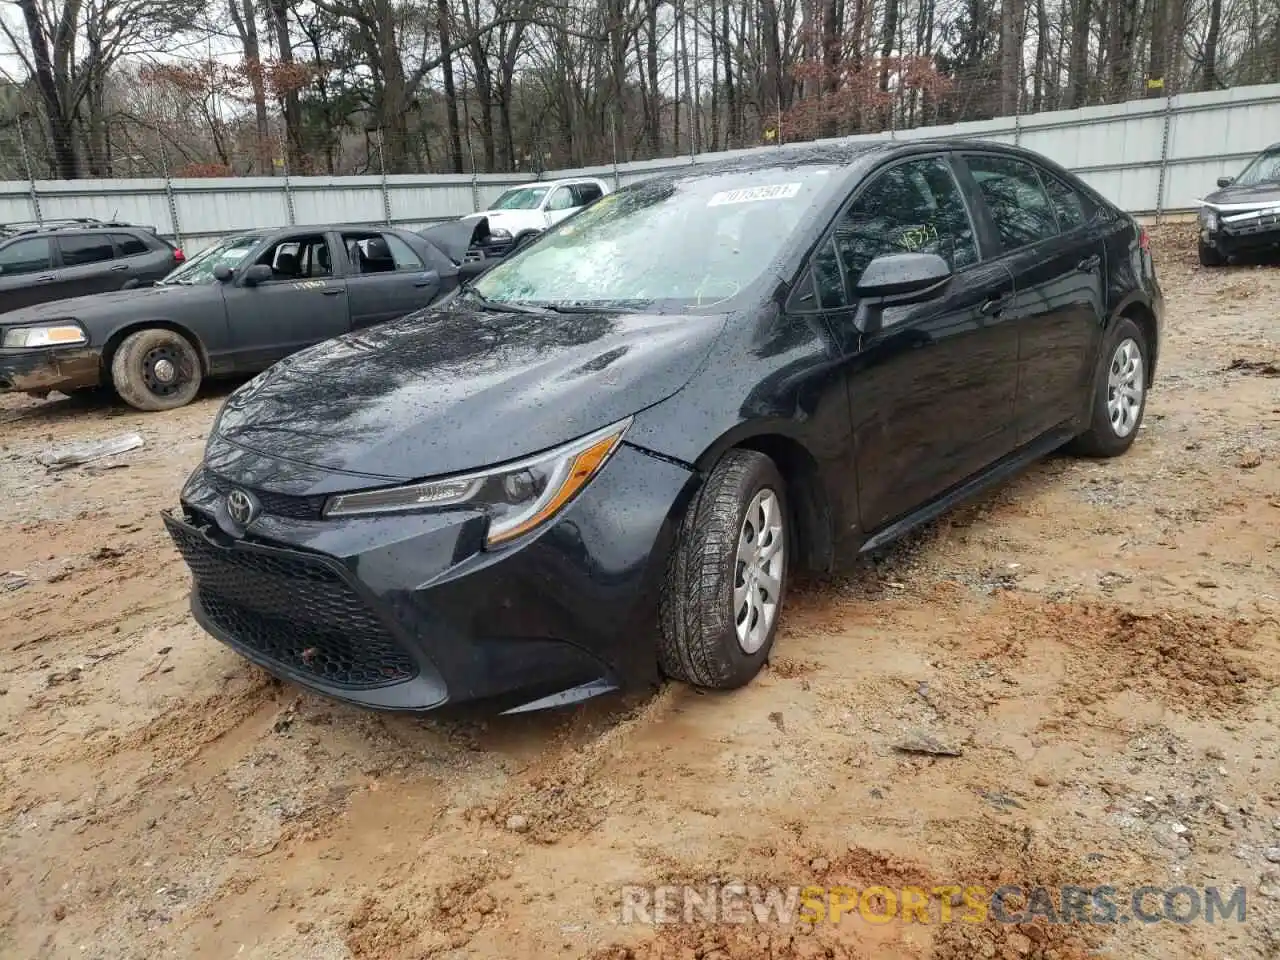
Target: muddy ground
(1098,641)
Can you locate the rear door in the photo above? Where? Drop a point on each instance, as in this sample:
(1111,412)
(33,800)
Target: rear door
(930,393)
(303,303)
(386,278)
(89,264)
(1056,261)
(27,273)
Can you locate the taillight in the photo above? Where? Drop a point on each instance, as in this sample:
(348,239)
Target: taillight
(1144,242)
(178,255)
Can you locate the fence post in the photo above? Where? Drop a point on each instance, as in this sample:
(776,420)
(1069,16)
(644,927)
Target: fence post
(382,165)
(1164,157)
(613,133)
(31,178)
(475,179)
(288,187)
(169,195)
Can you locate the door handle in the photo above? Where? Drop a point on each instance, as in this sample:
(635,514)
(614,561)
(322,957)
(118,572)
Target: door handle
(331,291)
(120,268)
(427,279)
(1089,264)
(46,279)
(994,306)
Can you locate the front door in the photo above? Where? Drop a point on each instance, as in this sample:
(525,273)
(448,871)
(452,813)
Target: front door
(303,302)
(27,273)
(1058,270)
(931,392)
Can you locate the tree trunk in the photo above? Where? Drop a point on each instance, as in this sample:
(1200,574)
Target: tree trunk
(450,94)
(245,17)
(1011,19)
(1078,70)
(287,86)
(1042,56)
(1211,46)
(62,146)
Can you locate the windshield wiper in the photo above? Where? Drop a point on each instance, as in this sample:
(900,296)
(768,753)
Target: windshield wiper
(602,306)
(499,306)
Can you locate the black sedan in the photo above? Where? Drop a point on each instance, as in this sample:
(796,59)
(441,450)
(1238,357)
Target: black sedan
(603,460)
(234,308)
(1243,215)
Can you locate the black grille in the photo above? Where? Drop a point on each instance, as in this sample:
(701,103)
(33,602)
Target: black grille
(274,504)
(293,610)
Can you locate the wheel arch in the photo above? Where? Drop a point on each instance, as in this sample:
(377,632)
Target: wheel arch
(1140,312)
(120,334)
(807,496)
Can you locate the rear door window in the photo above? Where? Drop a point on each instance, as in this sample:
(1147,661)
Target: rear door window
(129,245)
(26,256)
(78,251)
(1072,208)
(1016,199)
(587,193)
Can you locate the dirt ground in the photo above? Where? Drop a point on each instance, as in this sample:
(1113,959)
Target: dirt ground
(1098,641)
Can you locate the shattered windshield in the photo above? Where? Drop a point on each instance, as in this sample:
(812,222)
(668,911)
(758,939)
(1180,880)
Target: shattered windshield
(1264,168)
(199,269)
(692,242)
(522,198)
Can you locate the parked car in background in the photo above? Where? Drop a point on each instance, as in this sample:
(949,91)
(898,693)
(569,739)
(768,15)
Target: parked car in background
(527,210)
(236,307)
(72,258)
(1243,215)
(603,459)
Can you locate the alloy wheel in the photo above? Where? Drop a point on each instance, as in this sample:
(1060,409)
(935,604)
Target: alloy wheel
(1125,385)
(761,559)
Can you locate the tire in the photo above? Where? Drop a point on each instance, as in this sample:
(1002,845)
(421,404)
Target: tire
(699,612)
(139,377)
(1211,256)
(1112,429)
(523,239)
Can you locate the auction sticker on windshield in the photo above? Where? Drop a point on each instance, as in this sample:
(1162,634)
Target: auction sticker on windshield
(777,191)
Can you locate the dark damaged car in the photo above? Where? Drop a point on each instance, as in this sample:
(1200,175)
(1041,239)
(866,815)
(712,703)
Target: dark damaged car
(1242,217)
(234,308)
(602,461)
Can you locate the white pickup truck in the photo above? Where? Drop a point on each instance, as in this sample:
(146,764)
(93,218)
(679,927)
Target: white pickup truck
(532,207)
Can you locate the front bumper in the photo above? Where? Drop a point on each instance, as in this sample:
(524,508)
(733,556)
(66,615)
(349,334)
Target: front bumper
(42,369)
(409,612)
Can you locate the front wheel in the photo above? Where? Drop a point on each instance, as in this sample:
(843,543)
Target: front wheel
(727,575)
(1120,394)
(156,369)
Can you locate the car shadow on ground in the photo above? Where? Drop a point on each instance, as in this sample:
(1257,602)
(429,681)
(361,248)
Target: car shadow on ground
(101,404)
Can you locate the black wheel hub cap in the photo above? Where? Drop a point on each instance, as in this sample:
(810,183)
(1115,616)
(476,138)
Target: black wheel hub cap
(165,370)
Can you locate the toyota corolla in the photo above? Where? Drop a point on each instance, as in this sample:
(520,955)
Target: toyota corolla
(601,462)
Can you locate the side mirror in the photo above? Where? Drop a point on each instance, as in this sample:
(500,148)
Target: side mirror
(258,273)
(222,273)
(903,277)
(1226,181)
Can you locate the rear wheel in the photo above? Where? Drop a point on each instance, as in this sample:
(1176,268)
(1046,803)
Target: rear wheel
(156,369)
(726,578)
(1120,395)
(1211,256)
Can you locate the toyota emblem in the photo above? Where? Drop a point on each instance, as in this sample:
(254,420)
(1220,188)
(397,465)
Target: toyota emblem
(241,507)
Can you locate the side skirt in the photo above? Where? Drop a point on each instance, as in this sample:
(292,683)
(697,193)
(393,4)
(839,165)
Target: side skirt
(1004,468)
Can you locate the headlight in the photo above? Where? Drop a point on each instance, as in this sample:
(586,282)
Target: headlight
(1208,218)
(66,333)
(500,234)
(518,497)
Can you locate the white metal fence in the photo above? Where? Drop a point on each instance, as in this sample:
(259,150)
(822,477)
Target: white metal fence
(1148,156)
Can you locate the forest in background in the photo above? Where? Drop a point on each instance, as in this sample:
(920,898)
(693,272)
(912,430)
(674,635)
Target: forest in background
(191,88)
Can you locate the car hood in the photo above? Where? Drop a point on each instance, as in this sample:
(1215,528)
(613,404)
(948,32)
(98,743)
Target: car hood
(444,391)
(101,304)
(513,220)
(1260,194)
